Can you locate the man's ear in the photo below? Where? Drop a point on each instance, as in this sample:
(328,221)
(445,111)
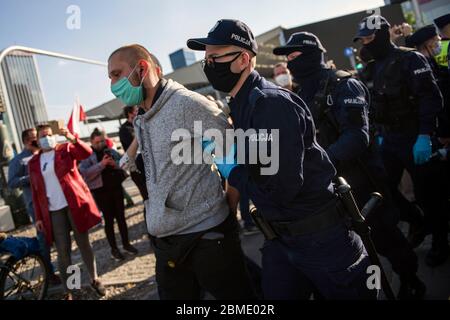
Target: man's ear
(246,59)
(143,68)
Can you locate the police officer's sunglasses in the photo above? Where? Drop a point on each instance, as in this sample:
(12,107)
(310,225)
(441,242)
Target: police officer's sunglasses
(211,61)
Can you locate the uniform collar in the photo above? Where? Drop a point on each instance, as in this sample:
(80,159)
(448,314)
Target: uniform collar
(241,97)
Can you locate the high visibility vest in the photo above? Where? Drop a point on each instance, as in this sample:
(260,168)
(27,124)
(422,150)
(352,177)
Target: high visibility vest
(442,58)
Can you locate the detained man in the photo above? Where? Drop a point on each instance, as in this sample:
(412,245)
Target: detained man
(194,235)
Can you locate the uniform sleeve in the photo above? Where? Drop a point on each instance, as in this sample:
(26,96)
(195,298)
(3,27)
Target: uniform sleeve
(351,114)
(286,151)
(425,90)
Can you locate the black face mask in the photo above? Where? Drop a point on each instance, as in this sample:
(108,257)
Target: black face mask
(306,64)
(34,143)
(100,147)
(221,77)
(380,46)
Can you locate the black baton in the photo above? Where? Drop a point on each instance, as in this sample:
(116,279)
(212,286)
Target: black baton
(362,228)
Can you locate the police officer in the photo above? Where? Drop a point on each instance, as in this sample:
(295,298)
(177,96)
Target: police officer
(406,102)
(409,212)
(443,24)
(313,247)
(340,106)
(428,42)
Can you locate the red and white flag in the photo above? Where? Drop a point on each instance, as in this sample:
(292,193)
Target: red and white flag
(76,117)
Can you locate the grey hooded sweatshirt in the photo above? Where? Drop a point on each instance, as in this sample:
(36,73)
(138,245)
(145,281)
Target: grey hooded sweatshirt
(183,198)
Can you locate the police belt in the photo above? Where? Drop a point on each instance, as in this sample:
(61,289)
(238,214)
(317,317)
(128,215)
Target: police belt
(326,218)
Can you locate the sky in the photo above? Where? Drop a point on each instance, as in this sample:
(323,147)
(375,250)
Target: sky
(161,26)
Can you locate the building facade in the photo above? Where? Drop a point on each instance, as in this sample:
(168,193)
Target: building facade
(27,103)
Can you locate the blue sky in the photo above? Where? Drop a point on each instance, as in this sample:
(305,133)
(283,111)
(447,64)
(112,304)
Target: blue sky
(161,26)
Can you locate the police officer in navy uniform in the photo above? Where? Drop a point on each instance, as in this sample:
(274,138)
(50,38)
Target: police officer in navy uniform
(409,212)
(406,102)
(443,24)
(314,248)
(428,42)
(340,106)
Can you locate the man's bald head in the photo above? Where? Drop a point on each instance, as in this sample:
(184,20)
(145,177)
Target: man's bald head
(135,63)
(134,53)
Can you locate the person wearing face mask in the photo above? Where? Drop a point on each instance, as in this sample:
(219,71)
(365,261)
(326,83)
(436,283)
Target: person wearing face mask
(104,178)
(406,104)
(443,24)
(193,230)
(340,106)
(126,134)
(63,203)
(428,42)
(310,247)
(282,76)
(18,177)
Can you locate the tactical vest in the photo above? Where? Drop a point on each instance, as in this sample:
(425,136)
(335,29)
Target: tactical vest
(327,127)
(394,105)
(442,58)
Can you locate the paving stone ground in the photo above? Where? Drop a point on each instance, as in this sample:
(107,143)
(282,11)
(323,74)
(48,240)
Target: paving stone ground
(131,279)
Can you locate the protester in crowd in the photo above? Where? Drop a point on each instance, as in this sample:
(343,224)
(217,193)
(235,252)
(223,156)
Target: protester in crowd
(104,178)
(400,32)
(110,144)
(18,177)
(62,201)
(126,134)
(282,76)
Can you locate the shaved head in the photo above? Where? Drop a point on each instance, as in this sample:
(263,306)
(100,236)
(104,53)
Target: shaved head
(133,53)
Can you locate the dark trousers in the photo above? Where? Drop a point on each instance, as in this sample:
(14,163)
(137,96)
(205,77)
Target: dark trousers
(430,187)
(44,248)
(329,262)
(388,239)
(139,180)
(216,266)
(110,203)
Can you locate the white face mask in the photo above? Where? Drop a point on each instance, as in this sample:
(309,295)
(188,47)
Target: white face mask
(437,49)
(283,80)
(47,142)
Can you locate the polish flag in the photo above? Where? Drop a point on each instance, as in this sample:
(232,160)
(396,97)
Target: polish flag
(76,117)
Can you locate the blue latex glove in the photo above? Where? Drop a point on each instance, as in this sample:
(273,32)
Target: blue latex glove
(208,146)
(225,164)
(422,149)
(379,140)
